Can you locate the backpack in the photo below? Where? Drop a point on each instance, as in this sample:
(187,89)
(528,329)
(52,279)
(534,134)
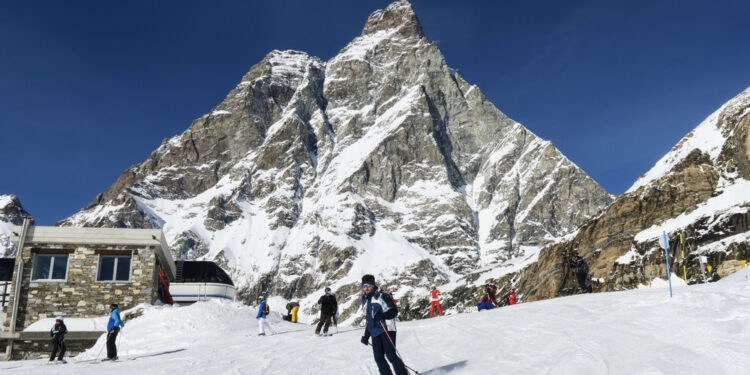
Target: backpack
(390,302)
(266,309)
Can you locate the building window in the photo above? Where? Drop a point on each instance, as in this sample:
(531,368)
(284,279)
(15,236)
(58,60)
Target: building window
(114,268)
(50,267)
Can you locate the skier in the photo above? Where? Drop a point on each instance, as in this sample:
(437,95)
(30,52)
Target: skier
(488,300)
(113,328)
(492,292)
(380,311)
(57,333)
(328,308)
(435,301)
(291,312)
(263,311)
(512,297)
(581,270)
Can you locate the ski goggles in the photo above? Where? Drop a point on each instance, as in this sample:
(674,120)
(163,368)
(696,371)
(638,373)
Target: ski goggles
(366,286)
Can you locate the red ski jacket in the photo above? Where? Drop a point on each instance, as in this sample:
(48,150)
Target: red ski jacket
(435,295)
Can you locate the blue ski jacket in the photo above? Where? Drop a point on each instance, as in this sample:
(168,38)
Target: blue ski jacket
(260,310)
(114,320)
(380,310)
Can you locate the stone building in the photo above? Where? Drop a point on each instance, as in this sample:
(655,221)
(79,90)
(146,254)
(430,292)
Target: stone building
(78,273)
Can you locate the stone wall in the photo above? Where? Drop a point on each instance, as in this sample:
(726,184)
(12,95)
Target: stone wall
(35,349)
(81,296)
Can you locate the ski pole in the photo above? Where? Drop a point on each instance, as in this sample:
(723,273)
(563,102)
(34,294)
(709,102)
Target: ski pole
(396,350)
(100,350)
(119,339)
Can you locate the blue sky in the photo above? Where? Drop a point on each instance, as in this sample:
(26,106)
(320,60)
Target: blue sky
(88,88)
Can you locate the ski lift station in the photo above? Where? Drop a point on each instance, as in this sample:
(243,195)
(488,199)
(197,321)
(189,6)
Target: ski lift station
(78,272)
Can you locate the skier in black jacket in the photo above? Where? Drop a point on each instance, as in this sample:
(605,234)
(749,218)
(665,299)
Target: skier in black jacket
(57,333)
(328,308)
(582,272)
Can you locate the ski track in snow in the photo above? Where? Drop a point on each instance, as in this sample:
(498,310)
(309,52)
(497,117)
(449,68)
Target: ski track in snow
(702,330)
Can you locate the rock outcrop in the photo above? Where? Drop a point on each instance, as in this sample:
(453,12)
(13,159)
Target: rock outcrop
(11,213)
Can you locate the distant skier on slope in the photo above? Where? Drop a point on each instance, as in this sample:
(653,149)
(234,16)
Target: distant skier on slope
(328,308)
(291,312)
(581,270)
(512,297)
(57,333)
(492,291)
(380,311)
(435,301)
(263,311)
(488,300)
(113,328)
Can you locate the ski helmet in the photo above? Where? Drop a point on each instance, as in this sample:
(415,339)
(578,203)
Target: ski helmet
(434,287)
(260,297)
(328,290)
(60,318)
(113,306)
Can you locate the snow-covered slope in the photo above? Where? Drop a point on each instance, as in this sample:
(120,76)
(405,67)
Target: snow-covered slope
(381,160)
(702,330)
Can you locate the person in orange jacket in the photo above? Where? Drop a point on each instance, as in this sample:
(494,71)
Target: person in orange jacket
(512,297)
(435,301)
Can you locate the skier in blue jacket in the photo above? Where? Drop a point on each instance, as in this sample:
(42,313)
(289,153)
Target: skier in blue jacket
(380,311)
(263,311)
(113,327)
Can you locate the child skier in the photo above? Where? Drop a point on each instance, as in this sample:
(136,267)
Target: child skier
(113,328)
(512,297)
(263,311)
(435,301)
(380,311)
(57,333)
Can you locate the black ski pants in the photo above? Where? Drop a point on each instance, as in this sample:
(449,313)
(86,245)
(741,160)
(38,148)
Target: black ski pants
(582,282)
(324,318)
(112,342)
(57,345)
(382,347)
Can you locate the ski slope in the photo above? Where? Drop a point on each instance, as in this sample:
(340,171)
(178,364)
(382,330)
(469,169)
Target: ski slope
(704,329)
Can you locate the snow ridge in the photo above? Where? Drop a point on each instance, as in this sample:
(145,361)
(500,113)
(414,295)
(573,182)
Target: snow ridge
(709,136)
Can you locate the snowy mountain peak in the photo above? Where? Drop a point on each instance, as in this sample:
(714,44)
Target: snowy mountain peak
(398,17)
(708,138)
(381,160)
(284,67)
(11,213)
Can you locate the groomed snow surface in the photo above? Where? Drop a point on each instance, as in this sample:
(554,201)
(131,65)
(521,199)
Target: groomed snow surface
(702,330)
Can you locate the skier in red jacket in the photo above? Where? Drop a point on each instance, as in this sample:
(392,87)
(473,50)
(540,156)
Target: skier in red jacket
(435,301)
(512,297)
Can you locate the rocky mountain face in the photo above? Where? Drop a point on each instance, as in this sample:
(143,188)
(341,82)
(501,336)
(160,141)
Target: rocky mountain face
(11,213)
(700,190)
(381,160)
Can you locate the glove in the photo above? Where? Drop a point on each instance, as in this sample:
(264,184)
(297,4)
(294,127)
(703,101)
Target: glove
(378,317)
(364,340)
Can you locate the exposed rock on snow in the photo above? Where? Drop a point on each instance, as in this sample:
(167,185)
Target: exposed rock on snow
(11,213)
(381,160)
